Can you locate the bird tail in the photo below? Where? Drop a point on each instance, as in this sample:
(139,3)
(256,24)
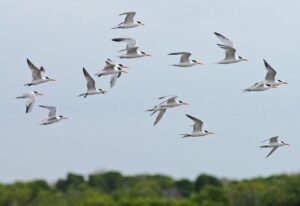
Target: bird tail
(246,90)
(83,94)
(28,84)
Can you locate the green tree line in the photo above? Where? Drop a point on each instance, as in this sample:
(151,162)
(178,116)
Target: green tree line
(114,189)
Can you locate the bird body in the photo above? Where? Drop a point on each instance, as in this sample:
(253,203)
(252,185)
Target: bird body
(38,75)
(30,96)
(259,87)
(91,86)
(170,102)
(185,60)
(230,51)
(198,128)
(129,21)
(274,143)
(52,117)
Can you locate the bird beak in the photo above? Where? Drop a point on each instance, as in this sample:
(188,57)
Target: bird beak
(148,55)
(274,86)
(66,118)
(142,24)
(285,83)
(246,60)
(211,133)
(52,80)
(186,103)
(125,70)
(199,63)
(40,94)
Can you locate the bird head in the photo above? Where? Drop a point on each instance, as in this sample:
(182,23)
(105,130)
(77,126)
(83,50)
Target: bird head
(196,62)
(140,23)
(281,82)
(103,91)
(145,54)
(282,142)
(242,58)
(37,93)
(183,103)
(207,132)
(62,117)
(49,79)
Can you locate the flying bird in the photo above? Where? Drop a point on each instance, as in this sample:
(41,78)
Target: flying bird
(185,60)
(30,96)
(130,42)
(270,76)
(129,21)
(230,50)
(169,102)
(91,86)
(198,128)
(52,116)
(38,75)
(258,87)
(274,143)
(114,70)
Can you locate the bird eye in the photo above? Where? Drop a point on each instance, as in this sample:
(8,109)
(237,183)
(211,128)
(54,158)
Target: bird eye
(121,65)
(279,81)
(268,85)
(143,52)
(194,61)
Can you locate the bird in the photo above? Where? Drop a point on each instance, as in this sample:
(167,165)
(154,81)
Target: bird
(133,53)
(185,59)
(52,117)
(274,143)
(228,46)
(170,102)
(131,49)
(130,42)
(38,75)
(258,87)
(129,21)
(270,76)
(30,96)
(91,86)
(198,128)
(113,69)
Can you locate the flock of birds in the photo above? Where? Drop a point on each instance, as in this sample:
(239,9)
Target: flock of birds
(170,101)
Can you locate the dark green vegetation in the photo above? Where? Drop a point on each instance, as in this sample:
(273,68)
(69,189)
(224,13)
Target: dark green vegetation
(113,189)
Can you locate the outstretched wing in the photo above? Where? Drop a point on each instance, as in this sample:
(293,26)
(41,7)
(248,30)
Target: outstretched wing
(90,81)
(160,115)
(273,150)
(198,124)
(224,40)
(130,42)
(35,72)
(270,76)
(29,104)
(185,56)
(52,110)
(129,17)
(229,51)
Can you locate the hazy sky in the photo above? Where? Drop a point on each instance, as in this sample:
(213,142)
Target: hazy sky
(112,131)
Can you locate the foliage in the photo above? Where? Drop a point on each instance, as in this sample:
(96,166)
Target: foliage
(114,189)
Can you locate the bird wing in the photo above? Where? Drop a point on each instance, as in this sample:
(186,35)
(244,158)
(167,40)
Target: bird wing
(172,100)
(229,51)
(274,148)
(29,104)
(108,61)
(52,110)
(270,76)
(185,56)
(113,80)
(35,72)
(224,40)
(274,139)
(130,42)
(90,81)
(42,72)
(198,124)
(129,17)
(159,116)
(132,50)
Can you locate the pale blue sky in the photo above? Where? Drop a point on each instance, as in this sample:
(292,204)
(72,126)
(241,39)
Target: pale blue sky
(112,132)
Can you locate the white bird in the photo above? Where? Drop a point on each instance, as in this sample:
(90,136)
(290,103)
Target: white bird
(130,42)
(185,59)
(270,76)
(198,128)
(38,75)
(170,102)
(113,69)
(91,85)
(258,87)
(30,96)
(228,46)
(134,53)
(129,21)
(274,143)
(52,117)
